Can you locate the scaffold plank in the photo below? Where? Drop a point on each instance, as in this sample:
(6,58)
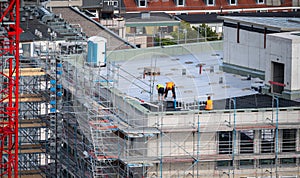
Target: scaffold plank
(31,125)
(30,174)
(27,151)
(255,127)
(32,151)
(28,98)
(29,72)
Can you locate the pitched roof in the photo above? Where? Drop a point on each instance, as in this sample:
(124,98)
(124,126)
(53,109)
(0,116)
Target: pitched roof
(92,27)
(31,21)
(196,6)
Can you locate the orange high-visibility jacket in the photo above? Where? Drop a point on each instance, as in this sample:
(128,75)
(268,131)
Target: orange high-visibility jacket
(169,85)
(209,105)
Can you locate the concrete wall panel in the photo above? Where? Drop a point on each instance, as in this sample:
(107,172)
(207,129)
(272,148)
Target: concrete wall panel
(249,52)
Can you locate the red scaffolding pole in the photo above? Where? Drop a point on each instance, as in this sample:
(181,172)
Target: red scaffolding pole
(9,78)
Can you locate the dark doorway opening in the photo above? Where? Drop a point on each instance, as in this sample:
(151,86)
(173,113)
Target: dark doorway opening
(278,77)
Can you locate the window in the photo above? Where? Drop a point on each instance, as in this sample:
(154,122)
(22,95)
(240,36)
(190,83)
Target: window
(180,2)
(266,162)
(220,29)
(111,3)
(225,142)
(213,28)
(164,29)
(116,4)
(210,2)
(267,141)
(232,2)
(226,163)
(142,3)
(26,50)
(288,140)
(132,29)
(288,161)
(246,163)
(260,1)
(140,30)
(246,141)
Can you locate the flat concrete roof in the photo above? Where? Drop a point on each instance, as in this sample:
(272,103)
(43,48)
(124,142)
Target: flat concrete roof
(184,70)
(193,84)
(294,36)
(279,23)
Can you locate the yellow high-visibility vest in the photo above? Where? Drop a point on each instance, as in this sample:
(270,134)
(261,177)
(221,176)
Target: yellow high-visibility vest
(159,86)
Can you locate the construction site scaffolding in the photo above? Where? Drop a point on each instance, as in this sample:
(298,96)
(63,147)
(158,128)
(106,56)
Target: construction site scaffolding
(110,133)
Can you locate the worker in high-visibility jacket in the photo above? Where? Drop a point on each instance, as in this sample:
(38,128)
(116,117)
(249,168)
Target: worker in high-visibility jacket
(160,90)
(170,86)
(208,104)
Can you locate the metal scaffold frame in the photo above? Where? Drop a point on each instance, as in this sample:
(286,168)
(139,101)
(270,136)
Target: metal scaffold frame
(9,52)
(32,124)
(94,116)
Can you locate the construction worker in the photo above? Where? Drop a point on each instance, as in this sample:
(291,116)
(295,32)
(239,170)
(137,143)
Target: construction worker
(170,86)
(208,104)
(160,90)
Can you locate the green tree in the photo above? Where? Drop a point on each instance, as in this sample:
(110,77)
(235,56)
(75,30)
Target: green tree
(164,42)
(185,34)
(206,33)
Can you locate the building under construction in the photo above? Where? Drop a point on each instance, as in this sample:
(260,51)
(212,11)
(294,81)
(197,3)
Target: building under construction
(85,115)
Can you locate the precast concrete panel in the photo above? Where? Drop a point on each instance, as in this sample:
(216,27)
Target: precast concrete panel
(226,57)
(263,59)
(274,54)
(254,58)
(295,57)
(183,144)
(255,39)
(244,37)
(233,48)
(249,52)
(230,43)
(241,55)
(295,82)
(226,45)
(232,34)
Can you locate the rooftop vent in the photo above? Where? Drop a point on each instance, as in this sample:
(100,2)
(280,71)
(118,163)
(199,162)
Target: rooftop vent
(38,33)
(151,71)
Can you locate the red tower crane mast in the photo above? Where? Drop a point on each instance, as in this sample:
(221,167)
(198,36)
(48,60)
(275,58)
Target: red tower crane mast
(9,79)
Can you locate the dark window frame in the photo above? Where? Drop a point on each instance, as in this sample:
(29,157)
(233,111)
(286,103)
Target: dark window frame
(267,143)
(225,142)
(289,137)
(246,145)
